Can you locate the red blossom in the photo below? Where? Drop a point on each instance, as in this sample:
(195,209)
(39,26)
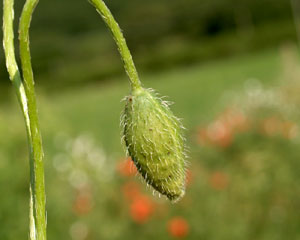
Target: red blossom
(141,209)
(131,190)
(83,204)
(217,133)
(178,227)
(220,134)
(126,167)
(235,119)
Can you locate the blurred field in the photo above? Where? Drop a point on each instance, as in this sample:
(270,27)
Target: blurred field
(196,90)
(71,46)
(241,186)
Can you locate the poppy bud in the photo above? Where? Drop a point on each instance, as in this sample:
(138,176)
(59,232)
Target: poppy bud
(153,139)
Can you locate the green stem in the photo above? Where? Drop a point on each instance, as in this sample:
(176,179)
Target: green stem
(36,149)
(26,96)
(120,41)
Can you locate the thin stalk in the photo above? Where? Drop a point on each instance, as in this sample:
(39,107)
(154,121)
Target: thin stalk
(108,18)
(36,149)
(26,96)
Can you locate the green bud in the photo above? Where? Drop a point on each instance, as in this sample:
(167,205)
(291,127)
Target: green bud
(153,139)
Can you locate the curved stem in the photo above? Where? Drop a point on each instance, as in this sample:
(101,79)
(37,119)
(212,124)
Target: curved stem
(120,41)
(26,96)
(36,149)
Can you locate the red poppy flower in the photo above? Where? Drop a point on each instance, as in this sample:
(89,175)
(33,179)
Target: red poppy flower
(131,190)
(235,119)
(82,204)
(220,134)
(141,209)
(178,227)
(126,167)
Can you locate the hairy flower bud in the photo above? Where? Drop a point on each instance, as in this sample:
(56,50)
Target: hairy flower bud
(153,139)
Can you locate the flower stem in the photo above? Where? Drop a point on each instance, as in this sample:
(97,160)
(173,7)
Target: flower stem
(120,41)
(26,96)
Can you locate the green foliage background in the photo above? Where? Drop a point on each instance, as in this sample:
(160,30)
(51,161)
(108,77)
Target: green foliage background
(72,46)
(203,54)
(261,199)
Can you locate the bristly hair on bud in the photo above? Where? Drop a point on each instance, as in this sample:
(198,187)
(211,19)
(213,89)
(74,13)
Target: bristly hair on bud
(153,139)
(152,134)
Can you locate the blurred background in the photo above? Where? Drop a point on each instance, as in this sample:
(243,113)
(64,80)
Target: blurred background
(231,67)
